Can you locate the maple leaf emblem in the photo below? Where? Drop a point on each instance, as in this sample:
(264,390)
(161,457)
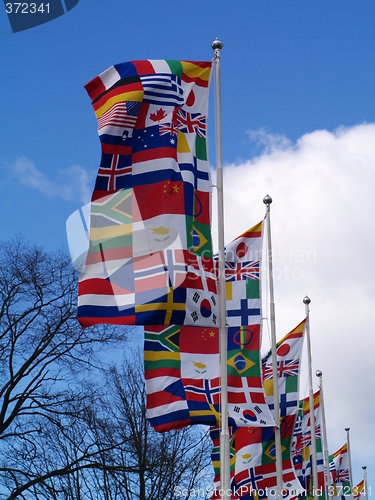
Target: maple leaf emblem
(159,115)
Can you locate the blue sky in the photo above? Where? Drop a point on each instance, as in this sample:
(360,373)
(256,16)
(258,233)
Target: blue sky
(298,121)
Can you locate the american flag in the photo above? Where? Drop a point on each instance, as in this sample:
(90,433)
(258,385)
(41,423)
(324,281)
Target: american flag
(236,271)
(191,122)
(121,114)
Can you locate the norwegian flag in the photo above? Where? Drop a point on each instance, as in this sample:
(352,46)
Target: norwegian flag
(191,122)
(284,368)
(236,271)
(176,267)
(112,174)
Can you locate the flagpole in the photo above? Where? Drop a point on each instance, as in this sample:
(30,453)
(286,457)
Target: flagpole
(325,439)
(350,458)
(307,301)
(365,480)
(224,436)
(267,200)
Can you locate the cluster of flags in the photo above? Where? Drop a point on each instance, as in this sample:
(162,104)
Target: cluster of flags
(150,263)
(150,256)
(182,367)
(302,447)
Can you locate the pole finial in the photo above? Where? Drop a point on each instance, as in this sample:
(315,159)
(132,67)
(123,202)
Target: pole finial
(318,373)
(364,467)
(267,200)
(306,299)
(217,44)
(347,429)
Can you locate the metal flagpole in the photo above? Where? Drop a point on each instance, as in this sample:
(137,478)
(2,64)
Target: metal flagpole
(224,436)
(325,439)
(307,301)
(350,458)
(365,481)
(267,200)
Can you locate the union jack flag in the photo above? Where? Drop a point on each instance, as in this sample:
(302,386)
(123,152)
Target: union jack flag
(306,437)
(287,368)
(191,122)
(168,128)
(296,452)
(342,476)
(236,271)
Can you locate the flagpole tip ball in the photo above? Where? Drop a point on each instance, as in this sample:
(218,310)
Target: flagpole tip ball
(318,373)
(267,200)
(306,300)
(217,44)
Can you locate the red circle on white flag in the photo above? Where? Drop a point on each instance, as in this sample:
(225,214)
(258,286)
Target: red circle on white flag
(283,350)
(241,250)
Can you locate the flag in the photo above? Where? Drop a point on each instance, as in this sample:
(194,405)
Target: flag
(246,399)
(302,454)
(340,476)
(149,260)
(215,458)
(198,376)
(359,492)
(255,462)
(255,452)
(289,351)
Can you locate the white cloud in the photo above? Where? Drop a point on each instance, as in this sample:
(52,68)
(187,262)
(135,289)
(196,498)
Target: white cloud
(70,184)
(269,142)
(323,236)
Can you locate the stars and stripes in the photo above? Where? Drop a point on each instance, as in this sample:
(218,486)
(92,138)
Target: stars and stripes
(121,114)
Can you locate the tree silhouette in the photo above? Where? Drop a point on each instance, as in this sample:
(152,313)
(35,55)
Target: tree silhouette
(72,419)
